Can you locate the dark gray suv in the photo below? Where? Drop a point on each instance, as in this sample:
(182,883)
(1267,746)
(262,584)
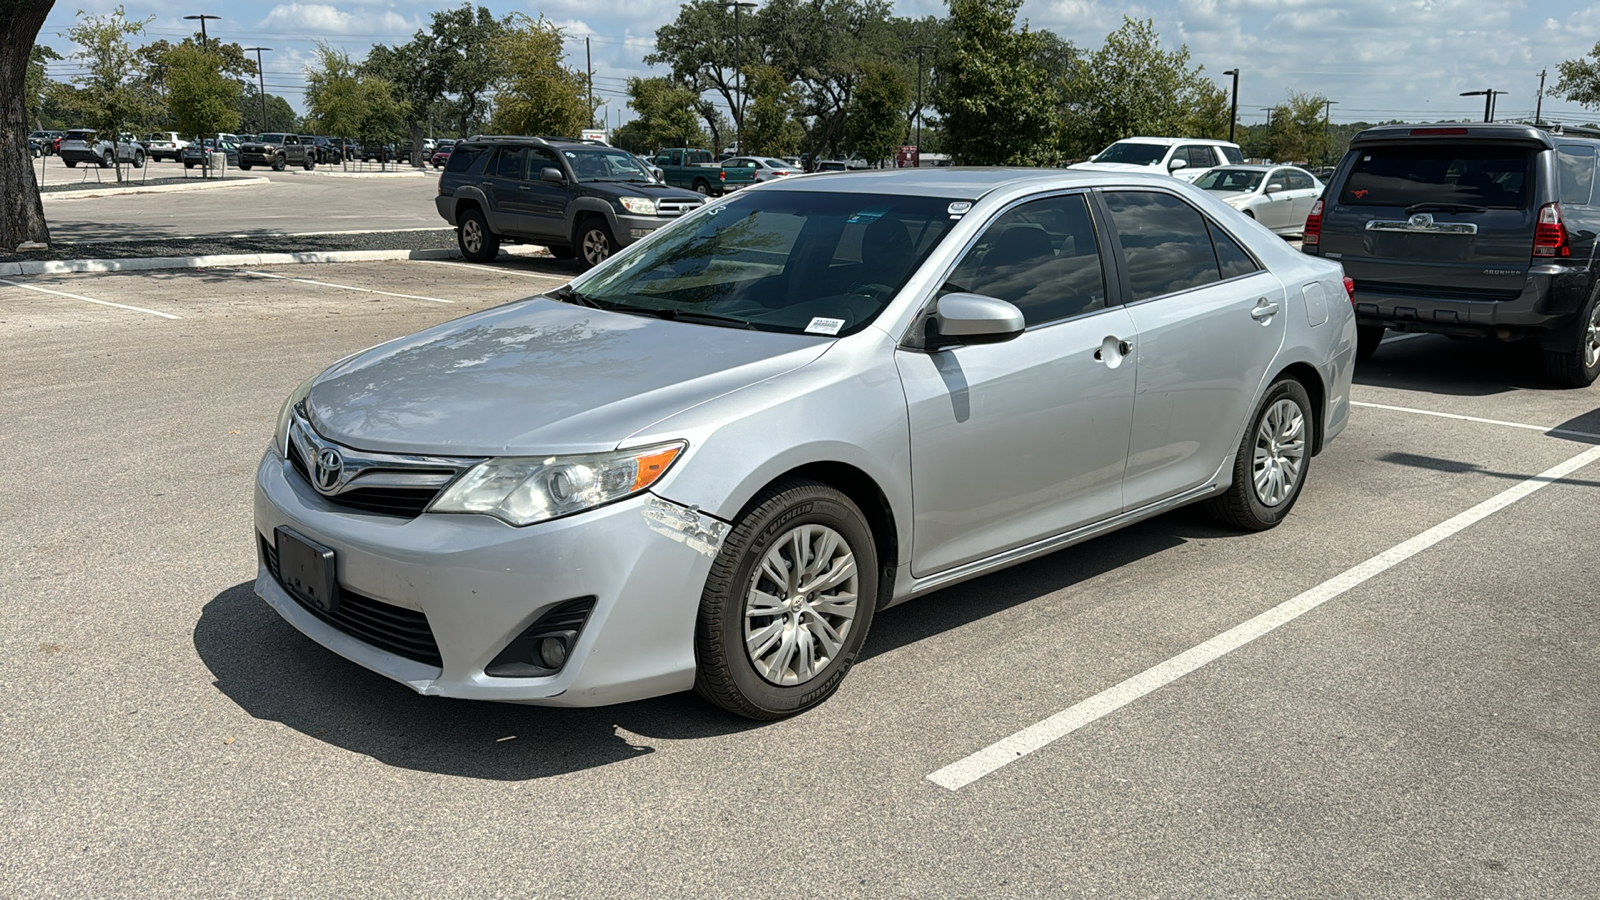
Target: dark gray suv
(580,199)
(1473,231)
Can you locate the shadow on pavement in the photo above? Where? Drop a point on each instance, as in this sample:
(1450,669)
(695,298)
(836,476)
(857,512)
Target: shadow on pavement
(1438,365)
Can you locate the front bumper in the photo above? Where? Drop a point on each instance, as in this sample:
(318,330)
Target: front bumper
(480,583)
(630,228)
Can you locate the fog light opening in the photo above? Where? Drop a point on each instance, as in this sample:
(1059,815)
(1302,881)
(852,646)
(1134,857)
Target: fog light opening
(553,652)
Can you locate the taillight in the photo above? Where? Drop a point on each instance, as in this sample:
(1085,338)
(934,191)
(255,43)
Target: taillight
(1350,288)
(1311,235)
(722,176)
(1550,235)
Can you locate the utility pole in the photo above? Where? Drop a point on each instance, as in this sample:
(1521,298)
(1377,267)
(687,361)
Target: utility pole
(1488,101)
(204,41)
(588,59)
(920,48)
(738,70)
(1327,134)
(1538,107)
(261,73)
(1233,113)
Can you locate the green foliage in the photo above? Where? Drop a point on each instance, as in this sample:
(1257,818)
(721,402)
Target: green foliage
(468,37)
(877,113)
(700,47)
(997,101)
(770,127)
(111,96)
(1580,79)
(280,115)
(201,97)
(1130,86)
(666,116)
(33,97)
(346,102)
(538,94)
(1298,133)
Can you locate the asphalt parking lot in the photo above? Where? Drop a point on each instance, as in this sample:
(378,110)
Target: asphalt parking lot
(1412,714)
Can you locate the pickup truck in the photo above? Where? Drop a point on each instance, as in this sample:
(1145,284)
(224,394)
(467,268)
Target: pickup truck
(696,170)
(278,151)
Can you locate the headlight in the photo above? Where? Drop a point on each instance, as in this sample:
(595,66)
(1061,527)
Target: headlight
(641,206)
(280,437)
(522,490)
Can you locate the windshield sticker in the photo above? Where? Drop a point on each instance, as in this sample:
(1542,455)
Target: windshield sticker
(866,215)
(820,325)
(960,207)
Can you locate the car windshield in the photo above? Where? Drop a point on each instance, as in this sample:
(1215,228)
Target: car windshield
(606,165)
(1222,180)
(801,262)
(80,135)
(1132,152)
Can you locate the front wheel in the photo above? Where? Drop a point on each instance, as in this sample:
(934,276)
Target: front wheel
(279,163)
(105,161)
(1573,357)
(188,164)
(1273,458)
(71,163)
(1368,337)
(244,167)
(595,243)
(310,163)
(138,160)
(477,243)
(787,605)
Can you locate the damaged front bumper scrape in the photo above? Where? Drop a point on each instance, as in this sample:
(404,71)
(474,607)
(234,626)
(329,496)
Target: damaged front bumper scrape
(480,583)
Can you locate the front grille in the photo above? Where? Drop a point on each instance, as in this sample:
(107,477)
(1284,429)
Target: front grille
(403,632)
(677,207)
(393,501)
(388,483)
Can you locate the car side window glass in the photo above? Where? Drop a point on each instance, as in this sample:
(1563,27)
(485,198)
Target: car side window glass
(542,159)
(1231,258)
(1041,256)
(1299,181)
(1232,156)
(1577,173)
(511,162)
(1164,242)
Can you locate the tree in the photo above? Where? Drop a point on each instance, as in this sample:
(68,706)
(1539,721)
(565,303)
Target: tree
(1580,79)
(280,115)
(1298,131)
(666,115)
(770,128)
(996,101)
(113,96)
(538,94)
(820,47)
(1131,86)
(346,102)
(203,100)
(699,47)
(33,94)
(416,72)
(21,213)
(468,39)
(876,123)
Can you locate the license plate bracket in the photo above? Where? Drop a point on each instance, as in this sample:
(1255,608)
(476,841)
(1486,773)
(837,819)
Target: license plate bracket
(306,570)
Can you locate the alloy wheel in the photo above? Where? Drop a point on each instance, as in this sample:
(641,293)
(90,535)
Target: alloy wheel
(1591,339)
(801,604)
(596,246)
(472,235)
(1280,452)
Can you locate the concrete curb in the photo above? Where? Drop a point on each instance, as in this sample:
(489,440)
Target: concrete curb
(198,185)
(139,264)
(335,173)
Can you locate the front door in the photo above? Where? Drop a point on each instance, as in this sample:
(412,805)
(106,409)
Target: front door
(547,200)
(1019,441)
(1210,321)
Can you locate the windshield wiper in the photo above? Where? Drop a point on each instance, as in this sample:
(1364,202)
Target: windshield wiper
(1445,207)
(566,294)
(679,315)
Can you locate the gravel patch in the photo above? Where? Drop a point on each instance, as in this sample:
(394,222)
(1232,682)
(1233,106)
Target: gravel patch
(443,238)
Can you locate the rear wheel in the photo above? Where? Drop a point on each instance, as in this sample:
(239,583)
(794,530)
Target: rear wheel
(595,243)
(245,166)
(310,163)
(188,164)
(1572,357)
(788,602)
(138,160)
(703,188)
(1273,458)
(1368,337)
(71,163)
(477,243)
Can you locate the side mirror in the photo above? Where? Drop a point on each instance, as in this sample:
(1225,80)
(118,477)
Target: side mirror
(974,319)
(1275,187)
(1177,164)
(553,175)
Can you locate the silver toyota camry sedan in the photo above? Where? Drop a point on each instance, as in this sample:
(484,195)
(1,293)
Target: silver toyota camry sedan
(709,461)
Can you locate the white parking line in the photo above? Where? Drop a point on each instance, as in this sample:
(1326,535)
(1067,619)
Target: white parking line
(1442,415)
(446,262)
(347,287)
(31,287)
(1402,336)
(963,772)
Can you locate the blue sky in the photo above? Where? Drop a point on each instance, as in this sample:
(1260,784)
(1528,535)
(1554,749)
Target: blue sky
(1379,59)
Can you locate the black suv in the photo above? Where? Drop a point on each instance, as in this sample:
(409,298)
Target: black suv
(579,199)
(1470,230)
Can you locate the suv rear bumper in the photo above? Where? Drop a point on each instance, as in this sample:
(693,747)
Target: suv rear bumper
(1552,294)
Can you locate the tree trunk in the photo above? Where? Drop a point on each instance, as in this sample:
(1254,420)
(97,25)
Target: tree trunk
(21,213)
(416,145)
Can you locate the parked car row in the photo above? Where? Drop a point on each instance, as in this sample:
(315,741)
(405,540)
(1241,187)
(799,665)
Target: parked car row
(83,145)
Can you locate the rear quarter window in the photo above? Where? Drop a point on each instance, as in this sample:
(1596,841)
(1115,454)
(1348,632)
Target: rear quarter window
(462,158)
(1577,173)
(1490,175)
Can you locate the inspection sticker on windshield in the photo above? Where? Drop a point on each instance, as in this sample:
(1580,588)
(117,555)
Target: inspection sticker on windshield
(819,325)
(960,207)
(865,216)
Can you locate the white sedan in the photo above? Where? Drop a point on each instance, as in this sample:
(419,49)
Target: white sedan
(1279,197)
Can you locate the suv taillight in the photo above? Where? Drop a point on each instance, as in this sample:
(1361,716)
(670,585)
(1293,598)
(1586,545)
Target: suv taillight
(1550,235)
(1350,289)
(1311,235)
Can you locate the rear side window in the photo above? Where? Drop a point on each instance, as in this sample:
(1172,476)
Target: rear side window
(1577,173)
(1232,155)
(1164,241)
(462,158)
(1299,181)
(1231,258)
(1488,175)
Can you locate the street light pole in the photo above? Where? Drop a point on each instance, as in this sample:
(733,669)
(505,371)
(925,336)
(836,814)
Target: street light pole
(1327,108)
(261,73)
(1233,113)
(920,48)
(738,70)
(1488,101)
(204,45)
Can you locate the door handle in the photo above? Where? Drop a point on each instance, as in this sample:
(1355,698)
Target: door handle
(1123,348)
(1265,309)
(523,187)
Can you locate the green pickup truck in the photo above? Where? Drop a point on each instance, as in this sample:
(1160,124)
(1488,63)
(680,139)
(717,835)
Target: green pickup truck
(689,168)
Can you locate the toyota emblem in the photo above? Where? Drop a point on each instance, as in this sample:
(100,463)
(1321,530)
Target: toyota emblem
(1422,220)
(329,470)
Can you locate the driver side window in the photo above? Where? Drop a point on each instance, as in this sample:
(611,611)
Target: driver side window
(1042,257)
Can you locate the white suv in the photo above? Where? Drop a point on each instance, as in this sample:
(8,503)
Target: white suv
(165,145)
(1186,158)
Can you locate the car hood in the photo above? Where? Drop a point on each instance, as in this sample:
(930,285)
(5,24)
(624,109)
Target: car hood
(539,377)
(1116,167)
(653,190)
(1231,196)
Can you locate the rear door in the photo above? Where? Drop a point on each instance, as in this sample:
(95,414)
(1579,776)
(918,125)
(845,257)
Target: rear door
(1444,216)
(508,191)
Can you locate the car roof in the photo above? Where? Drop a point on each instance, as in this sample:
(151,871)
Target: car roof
(957,182)
(1254,167)
(1169,141)
(1545,136)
